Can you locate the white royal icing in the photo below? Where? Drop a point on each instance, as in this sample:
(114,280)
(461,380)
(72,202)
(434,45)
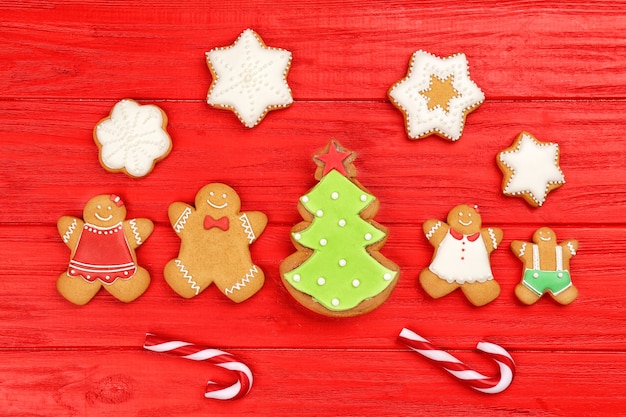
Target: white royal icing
(249,78)
(462,260)
(407,95)
(133,138)
(534,167)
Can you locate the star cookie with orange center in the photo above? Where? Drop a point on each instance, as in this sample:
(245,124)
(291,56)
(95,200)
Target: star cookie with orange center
(531,169)
(436,96)
(249,78)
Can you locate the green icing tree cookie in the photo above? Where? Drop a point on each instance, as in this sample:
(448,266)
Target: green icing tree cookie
(338,269)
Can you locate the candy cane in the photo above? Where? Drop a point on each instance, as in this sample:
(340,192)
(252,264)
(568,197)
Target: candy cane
(217,357)
(475,380)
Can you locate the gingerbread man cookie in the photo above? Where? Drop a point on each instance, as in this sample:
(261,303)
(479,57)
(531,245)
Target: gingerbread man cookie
(461,257)
(103,252)
(546,267)
(215,238)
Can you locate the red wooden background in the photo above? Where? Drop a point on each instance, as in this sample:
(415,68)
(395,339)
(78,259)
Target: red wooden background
(554,69)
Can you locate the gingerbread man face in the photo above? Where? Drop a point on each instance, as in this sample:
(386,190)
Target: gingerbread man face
(104,211)
(464,219)
(545,236)
(218,200)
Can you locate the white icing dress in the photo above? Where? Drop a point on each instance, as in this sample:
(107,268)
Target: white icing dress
(462,258)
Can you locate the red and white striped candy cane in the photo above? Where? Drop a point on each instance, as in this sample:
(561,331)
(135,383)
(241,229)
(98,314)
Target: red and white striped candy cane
(475,380)
(214,356)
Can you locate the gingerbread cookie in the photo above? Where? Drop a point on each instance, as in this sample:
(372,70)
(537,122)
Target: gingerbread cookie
(215,238)
(461,256)
(103,252)
(531,169)
(249,78)
(133,138)
(436,96)
(338,269)
(546,267)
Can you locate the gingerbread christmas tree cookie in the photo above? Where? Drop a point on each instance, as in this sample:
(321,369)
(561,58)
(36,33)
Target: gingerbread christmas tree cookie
(531,169)
(249,78)
(546,267)
(436,95)
(338,269)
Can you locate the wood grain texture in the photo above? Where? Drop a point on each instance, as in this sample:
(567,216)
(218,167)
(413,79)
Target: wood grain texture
(552,68)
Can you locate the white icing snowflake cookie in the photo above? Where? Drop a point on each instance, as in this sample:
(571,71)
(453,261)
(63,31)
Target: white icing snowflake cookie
(249,78)
(133,138)
(531,169)
(436,95)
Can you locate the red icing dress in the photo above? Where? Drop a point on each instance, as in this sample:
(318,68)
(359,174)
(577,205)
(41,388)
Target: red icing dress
(102,253)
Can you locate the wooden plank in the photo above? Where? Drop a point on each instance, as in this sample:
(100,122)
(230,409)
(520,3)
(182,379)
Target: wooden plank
(44,144)
(342,51)
(35,315)
(304,383)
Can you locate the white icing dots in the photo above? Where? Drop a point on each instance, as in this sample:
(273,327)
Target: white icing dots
(334,195)
(356,283)
(321,281)
(342,262)
(323,242)
(297,236)
(368,236)
(341,222)
(296,278)
(387,276)
(304,199)
(335,302)
(319,213)
(363,198)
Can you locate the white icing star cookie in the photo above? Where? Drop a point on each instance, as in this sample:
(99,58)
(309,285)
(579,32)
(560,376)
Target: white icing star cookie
(531,169)
(133,138)
(249,78)
(436,95)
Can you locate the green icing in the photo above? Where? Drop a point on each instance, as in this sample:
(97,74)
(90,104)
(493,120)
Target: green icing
(340,273)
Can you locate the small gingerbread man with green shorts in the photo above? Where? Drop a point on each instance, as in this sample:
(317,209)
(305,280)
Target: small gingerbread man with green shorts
(546,267)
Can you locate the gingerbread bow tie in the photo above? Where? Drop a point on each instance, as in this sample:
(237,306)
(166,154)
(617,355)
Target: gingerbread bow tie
(221,223)
(459,236)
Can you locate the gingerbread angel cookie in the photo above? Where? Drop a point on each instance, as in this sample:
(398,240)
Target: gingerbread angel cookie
(103,252)
(546,267)
(461,257)
(215,238)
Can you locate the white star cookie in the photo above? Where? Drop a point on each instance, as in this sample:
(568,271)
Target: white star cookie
(133,138)
(249,78)
(531,169)
(436,95)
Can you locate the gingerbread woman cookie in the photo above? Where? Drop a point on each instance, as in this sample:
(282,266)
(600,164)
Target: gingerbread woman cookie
(103,252)
(461,257)
(215,238)
(546,267)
